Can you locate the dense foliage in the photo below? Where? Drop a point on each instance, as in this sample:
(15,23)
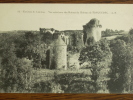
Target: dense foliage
(121,67)
(19,54)
(16,72)
(109,64)
(99,56)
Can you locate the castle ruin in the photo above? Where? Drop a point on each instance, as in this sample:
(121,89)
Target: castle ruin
(50,30)
(60,41)
(92,29)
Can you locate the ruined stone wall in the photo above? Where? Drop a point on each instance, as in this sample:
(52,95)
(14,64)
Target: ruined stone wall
(64,37)
(92,29)
(96,33)
(74,37)
(50,30)
(78,40)
(72,60)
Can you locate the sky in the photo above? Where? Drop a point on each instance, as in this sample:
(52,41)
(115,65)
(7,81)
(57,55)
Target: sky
(64,16)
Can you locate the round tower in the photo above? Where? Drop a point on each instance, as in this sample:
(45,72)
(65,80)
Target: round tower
(60,54)
(92,29)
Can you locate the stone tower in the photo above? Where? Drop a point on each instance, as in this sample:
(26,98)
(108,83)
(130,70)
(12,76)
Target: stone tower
(92,29)
(60,54)
(64,37)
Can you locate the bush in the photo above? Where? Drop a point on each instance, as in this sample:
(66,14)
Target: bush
(47,87)
(75,82)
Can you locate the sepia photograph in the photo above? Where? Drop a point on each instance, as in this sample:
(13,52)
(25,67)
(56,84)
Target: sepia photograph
(66,48)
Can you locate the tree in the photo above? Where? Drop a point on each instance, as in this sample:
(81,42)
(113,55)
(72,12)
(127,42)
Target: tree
(100,56)
(127,85)
(118,48)
(131,32)
(121,67)
(33,48)
(47,37)
(15,72)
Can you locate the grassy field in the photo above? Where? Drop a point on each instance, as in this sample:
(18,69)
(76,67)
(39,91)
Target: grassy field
(114,36)
(59,81)
(46,74)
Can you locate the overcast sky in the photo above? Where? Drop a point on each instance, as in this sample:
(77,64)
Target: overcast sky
(21,16)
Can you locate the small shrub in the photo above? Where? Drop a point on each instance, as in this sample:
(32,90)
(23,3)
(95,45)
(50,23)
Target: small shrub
(47,87)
